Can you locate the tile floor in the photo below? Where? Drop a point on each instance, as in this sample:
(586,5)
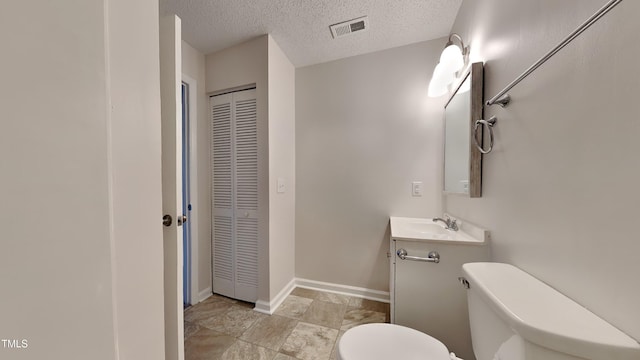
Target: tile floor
(306,326)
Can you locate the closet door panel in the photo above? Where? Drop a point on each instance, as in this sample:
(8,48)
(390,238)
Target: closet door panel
(222,194)
(246,260)
(246,196)
(235,194)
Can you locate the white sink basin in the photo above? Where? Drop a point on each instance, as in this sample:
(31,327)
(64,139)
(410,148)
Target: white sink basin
(419,229)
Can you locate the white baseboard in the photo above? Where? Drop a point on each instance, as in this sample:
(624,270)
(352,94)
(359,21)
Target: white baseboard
(263,307)
(204,294)
(271,306)
(364,293)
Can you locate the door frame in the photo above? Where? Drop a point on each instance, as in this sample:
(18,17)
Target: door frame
(192,118)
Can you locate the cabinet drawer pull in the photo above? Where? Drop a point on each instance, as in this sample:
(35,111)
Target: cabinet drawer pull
(433,256)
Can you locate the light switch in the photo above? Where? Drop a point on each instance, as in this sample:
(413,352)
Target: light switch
(280,185)
(416,188)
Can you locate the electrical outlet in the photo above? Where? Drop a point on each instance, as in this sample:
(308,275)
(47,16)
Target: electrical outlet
(416,188)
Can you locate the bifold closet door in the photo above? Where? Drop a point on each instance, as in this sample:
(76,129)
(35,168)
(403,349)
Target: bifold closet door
(235,195)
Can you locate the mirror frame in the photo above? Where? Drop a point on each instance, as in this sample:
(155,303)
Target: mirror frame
(476,73)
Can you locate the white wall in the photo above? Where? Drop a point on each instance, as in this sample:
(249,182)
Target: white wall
(365,129)
(560,188)
(80,180)
(262,62)
(55,211)
(241,65)
(281,165)
(136,179)
(193,65)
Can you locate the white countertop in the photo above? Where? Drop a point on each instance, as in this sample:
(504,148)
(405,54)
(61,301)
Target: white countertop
(419,229)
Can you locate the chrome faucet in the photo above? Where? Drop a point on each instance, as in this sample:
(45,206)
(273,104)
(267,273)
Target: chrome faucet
(450,224)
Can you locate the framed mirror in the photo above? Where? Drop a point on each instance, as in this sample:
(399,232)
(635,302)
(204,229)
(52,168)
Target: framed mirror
(462,159)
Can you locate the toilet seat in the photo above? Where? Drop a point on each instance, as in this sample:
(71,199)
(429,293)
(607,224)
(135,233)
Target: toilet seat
(389,341)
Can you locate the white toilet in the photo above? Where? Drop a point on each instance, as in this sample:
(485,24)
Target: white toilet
(513,316)
(387,341)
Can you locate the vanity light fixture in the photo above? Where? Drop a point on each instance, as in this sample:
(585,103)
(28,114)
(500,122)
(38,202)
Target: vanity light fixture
(452,60)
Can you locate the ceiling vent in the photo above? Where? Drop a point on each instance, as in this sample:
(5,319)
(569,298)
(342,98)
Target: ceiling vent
(348,27)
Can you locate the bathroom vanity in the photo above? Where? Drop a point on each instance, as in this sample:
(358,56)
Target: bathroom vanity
(426,294)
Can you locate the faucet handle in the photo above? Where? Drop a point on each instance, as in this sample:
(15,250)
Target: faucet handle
(453,224)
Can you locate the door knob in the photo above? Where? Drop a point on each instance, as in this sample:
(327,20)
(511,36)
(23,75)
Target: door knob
(167,220)
(181,220)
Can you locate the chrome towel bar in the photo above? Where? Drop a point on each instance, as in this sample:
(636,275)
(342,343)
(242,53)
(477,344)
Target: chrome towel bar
(433,256)
(502,98)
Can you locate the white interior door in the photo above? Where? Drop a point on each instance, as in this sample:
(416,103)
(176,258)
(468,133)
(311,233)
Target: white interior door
(235,195)
(171,97)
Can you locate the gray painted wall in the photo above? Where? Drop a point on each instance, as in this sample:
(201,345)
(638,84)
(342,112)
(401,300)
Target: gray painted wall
(365,129)
(282,141)
(560,188)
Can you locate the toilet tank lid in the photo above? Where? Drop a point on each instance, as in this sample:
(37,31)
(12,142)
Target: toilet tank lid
(543,316)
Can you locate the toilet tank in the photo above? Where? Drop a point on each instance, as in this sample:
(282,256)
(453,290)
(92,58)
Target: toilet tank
(514,316)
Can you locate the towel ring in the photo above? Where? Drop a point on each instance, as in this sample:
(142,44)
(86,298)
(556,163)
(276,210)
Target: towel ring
(484,124)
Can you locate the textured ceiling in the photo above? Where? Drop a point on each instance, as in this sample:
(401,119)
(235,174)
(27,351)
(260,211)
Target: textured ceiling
(301,27)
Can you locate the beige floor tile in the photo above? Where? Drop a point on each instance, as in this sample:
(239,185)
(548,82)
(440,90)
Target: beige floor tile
(282,356)
(270,331)
(334,298)
(334,352)
(242,350)
(245,304)
(190,329)
(367,304)
(306,326)
(217,297)
(306,293)
(325,314)
(235,321)
(206,310)
(294,307)
(310,342)
(206,344)
(354,317)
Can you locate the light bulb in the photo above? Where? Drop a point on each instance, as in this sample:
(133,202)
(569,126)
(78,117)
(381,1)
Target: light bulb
(434,91)
(439,81)
(452,59)
(442,74)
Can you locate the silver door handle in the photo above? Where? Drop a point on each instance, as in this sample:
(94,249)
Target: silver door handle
(181,220)
(433,256)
